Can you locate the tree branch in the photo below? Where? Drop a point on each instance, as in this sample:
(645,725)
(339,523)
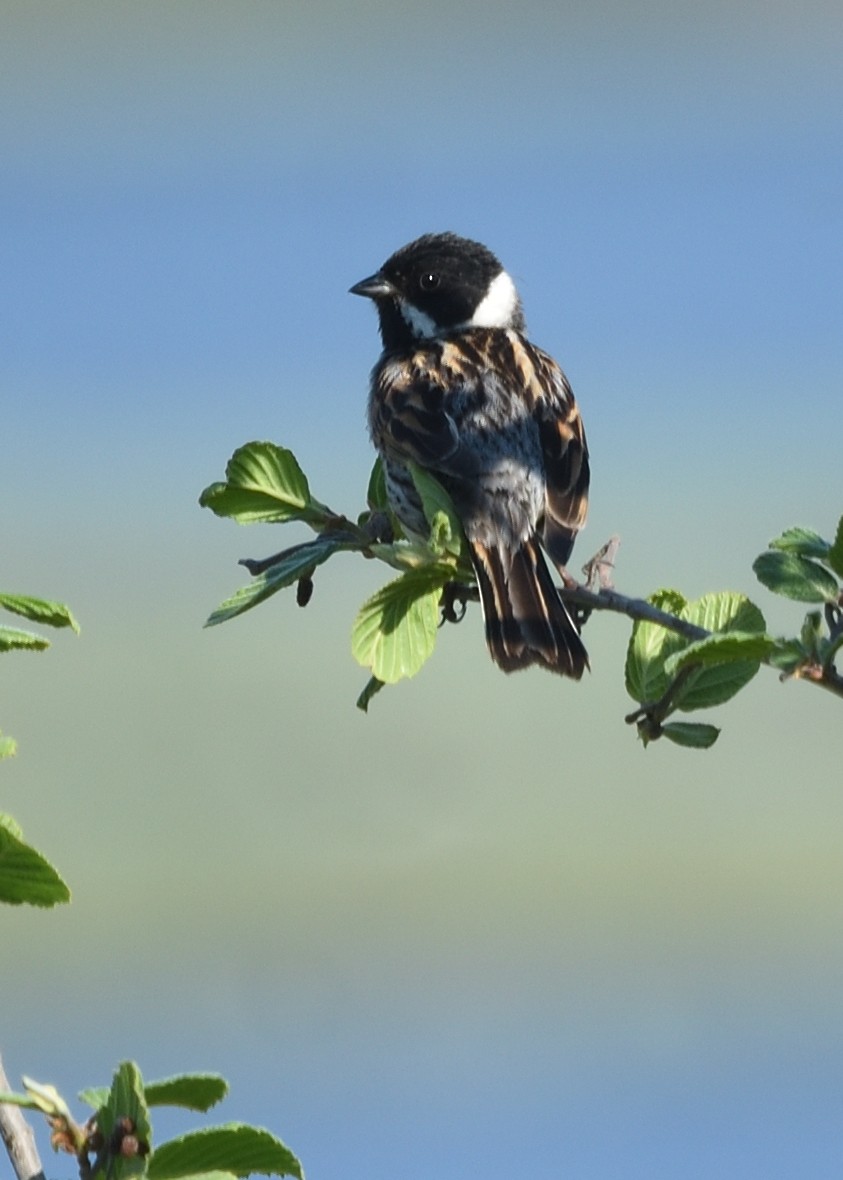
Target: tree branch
(18,1138)
(599,594)
(634,608)
(822,675)
(598,573)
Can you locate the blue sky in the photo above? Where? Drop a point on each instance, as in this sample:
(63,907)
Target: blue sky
(481,925)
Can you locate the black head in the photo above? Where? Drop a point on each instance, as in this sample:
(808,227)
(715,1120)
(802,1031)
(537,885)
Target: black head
(438,284)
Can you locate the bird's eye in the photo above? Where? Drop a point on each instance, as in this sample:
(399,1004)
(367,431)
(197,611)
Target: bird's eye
(429,280)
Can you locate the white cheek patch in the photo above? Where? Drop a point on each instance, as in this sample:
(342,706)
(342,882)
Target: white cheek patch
(419,323)
(499,305)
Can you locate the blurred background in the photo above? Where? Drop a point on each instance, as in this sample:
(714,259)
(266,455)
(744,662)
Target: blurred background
(480,929)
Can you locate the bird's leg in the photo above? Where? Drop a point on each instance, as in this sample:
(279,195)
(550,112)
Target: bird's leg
(454,601)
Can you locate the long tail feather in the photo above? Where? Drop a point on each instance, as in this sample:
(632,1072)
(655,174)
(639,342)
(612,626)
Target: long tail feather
(526,620)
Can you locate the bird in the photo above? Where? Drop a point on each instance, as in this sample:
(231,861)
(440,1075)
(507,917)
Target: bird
(461,391)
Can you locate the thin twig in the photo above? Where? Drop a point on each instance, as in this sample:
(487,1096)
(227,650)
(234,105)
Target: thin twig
(656,711)
(18,1138)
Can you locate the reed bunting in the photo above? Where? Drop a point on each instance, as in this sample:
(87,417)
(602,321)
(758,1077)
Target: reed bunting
(461,391)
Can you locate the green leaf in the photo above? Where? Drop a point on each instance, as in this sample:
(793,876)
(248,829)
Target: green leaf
(25,875)
(194,1091)
(235,1148)
(715,685)
(787,656)
(94,1096)
(39,610)
(376,496)
(795,577)
(724,648)
(43,1097)
(197,1091)
(125,1105)
(26,1101)
(446,533)
(395,630)
(728,661)
(728,613)
(835,553)
(214,1175)
(264,483)
(8,746)
(811,634)
(803,542)
(724,610)
(11,825)
(373,687)
(291,565)
(649,647)
(407,555)
(14,637)
(691,734)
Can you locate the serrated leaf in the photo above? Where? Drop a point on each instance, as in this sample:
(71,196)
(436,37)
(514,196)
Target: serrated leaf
(194,1091)
(724,610)
(235,1148)
(94,1096)
(291,566)
(446,532)
(373,687)
(263,483)
(728,613)
(395,630)
(11,825)
(26,877)
(672,602)
(39,610)
(649,646)
(691,734)
(125,1100)
(656,655)
(804,542)
(725,648)
(12,638)
(8,746)
(795,577)
(835,553)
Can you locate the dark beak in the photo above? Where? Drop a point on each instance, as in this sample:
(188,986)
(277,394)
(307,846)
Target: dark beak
(375,287)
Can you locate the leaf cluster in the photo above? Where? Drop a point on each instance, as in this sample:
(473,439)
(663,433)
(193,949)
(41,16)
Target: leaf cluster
(395,630)
(116,1142)
(667,672)
(802,566)
(25,875)
(37,610)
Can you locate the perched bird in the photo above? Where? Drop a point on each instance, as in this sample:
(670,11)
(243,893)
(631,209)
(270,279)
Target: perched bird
(461,391)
